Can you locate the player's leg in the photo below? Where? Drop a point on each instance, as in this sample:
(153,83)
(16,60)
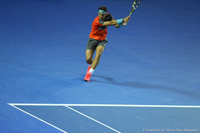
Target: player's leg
(99,51)
(90,49)
(89,56)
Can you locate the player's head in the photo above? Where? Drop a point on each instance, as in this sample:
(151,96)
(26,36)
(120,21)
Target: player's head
(102,11)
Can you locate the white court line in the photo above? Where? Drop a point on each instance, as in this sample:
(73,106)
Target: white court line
(38,118)
(93,105)
(94,119)
(107,105)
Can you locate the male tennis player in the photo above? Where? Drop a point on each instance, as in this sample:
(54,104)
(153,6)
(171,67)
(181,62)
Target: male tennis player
(97,38)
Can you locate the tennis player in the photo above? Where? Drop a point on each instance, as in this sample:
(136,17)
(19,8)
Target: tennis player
(97,38)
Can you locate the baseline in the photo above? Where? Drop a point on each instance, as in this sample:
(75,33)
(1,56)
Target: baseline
(106,105)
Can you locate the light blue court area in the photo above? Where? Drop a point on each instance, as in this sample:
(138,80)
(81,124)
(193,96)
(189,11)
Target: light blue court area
(112,118)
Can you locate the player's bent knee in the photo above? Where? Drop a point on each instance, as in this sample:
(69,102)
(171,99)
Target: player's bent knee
(89,61)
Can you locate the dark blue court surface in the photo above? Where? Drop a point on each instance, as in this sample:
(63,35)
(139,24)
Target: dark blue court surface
(154,60)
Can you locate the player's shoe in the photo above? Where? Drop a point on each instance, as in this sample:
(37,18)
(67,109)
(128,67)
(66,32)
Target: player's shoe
(88,69)
(87,77)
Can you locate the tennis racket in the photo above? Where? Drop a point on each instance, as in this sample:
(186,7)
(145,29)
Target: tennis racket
(135,5)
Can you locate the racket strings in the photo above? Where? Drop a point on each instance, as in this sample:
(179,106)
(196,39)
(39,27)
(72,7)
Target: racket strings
(134,6)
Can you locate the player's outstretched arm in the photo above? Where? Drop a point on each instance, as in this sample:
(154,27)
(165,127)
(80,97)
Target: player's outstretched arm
(116,22)
(126,20)
(112,22)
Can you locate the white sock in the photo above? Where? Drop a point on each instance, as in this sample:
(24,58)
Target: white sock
(91,70)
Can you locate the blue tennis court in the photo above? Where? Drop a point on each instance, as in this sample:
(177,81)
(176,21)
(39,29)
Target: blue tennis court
(148,79)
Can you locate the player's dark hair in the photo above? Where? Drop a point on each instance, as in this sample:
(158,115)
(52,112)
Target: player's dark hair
(103,8)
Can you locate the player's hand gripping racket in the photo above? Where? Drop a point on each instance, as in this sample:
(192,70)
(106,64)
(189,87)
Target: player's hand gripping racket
(135,5)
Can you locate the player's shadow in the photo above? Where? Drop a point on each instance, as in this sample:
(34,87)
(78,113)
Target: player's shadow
(139,85)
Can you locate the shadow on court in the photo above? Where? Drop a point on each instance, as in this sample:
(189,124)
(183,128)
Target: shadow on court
(140,85)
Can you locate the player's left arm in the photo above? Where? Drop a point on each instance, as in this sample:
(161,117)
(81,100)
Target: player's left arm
(109,21)
(117,23)
(109,17)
